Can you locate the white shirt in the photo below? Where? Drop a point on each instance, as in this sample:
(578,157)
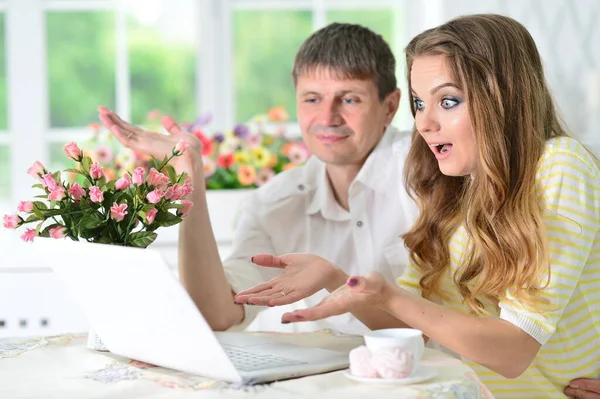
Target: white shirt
(296,212)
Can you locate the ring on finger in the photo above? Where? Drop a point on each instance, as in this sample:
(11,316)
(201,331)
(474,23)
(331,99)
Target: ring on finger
(282,293)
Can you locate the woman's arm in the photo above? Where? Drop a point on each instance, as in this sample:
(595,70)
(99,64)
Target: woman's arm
(494,343)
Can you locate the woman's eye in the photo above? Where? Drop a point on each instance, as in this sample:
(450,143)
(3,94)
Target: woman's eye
(449,103)
(419,105)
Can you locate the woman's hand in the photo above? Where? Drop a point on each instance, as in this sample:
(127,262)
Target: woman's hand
(303,275)
(369,291)
(155,144)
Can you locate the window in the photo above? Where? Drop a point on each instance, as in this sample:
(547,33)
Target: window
(163,54)
(81,65)
(264,47)
(232,58)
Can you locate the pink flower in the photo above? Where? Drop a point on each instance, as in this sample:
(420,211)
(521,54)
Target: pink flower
(76,191)
(124,182)
(12,221)
(157,179)
(104,154)
(73,151)
(186,190)
(171,194)
(298,154)
(181,146)
(155,196)
(96,171)
(263,176)
(138,175)
(25,206)
(57,194)
(188,205)
(151,215)
(57,232)
(118,212)
(96,194)
(36,170)
(29,235)
(49,182)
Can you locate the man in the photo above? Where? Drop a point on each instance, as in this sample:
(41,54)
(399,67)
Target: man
(346,204)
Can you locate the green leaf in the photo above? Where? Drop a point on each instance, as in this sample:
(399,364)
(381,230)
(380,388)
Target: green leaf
(141,239)
(166,219)
(38,186)
(171,173)
(40,205)
(86,162)
(34,218)
(93,221)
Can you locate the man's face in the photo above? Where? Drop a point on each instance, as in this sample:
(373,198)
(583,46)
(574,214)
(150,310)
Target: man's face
(342,120)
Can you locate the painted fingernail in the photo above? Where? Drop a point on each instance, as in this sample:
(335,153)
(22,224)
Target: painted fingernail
(353,282)
(237,303)
(252,259)
(574,385)
(285,322)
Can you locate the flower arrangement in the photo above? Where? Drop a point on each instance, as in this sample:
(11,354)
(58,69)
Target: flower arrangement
(248,156)
(125,211)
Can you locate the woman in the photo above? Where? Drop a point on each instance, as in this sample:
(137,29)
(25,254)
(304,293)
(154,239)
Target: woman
(505,254)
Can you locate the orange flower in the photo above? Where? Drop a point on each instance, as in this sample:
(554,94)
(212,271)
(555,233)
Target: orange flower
(246,175)
(289,166)
(278,114)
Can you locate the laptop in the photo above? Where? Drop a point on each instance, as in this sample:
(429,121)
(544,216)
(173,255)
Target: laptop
(141,311)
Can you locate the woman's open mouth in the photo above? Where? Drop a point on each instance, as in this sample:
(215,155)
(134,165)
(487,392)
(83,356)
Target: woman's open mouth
(441,150)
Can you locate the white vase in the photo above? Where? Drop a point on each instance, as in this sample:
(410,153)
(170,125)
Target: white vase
(94,342)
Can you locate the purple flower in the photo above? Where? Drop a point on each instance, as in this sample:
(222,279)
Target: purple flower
(241,131)
(219,137)
(202,120)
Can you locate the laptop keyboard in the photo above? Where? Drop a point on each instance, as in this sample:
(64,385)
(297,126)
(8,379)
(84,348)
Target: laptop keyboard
(248,361)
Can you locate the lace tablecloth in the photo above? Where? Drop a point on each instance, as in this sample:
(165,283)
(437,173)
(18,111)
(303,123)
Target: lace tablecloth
(62,367)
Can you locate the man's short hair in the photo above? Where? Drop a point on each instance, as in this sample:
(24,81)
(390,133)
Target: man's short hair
(348,51)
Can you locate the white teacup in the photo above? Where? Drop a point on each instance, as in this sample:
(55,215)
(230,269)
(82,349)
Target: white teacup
(409,340)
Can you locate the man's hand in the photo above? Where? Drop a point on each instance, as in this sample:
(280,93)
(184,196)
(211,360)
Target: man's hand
(303,275)
(582,388)
(358,292)
(152,143)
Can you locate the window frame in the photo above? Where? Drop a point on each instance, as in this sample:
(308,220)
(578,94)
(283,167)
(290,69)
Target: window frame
(29,130)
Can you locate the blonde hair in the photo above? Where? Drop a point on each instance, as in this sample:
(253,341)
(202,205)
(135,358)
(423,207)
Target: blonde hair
(495,62)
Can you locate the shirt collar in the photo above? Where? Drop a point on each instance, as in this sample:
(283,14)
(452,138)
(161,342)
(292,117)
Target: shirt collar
(373,175)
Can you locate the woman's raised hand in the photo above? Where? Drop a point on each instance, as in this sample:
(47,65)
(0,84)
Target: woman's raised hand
(371,290)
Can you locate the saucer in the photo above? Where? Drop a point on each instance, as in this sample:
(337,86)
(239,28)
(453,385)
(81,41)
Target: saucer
(422,373)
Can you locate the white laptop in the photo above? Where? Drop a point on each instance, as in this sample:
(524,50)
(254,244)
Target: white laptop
(141,311)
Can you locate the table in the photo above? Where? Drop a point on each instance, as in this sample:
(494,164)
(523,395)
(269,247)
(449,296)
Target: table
(63,367)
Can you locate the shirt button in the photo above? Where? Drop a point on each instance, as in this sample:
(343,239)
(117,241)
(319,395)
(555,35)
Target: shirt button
(359,223)
(300,187)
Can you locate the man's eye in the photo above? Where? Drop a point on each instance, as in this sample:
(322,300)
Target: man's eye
(350,101)
(310,100)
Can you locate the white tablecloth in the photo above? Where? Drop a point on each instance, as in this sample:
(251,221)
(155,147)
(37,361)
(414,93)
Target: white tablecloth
(62,367)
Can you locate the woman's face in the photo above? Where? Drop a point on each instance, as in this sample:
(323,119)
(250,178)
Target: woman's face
(442,116)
